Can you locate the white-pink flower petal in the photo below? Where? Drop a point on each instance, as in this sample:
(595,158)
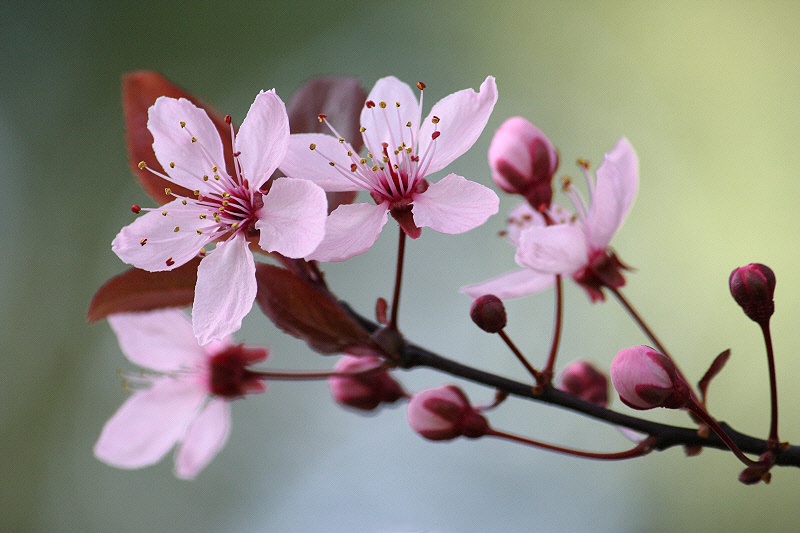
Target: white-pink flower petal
(513,284)
(292,221)
(381,126)
(164,238)
(559,249)
(463,115)
(617,184)
(263,138)
(160,340)
(350,230)
(149,423)
(313,165)
(225,290)
(205,437)
(185,141)
(454,205)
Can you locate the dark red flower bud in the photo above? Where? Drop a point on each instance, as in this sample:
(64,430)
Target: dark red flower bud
(753,286)
(369,385)
(583,380)
(488,313)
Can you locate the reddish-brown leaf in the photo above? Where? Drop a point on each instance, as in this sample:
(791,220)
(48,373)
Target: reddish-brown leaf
(139,290)
(716,366)
(300,309)
(139,91)
(340,98)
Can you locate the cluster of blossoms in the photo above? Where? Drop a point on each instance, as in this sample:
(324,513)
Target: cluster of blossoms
(230,194)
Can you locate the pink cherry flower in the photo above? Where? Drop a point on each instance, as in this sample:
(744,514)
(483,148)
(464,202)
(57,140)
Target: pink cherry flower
(402,151)
(187,401)
(575,246)
(229,209)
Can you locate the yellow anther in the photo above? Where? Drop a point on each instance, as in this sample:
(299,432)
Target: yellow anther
(143,242)
(214,168)
(142,165)
(164,213)
(385,159)
(203,216)
(362,129)
(397,104)
(167,191)
(435,120)
(225,203)
(408,124)
(363,161)
(375,168)
(196,192)
(341,140)
(222,209)
(205,178)
(177,229)
(226,194)
(184,202)
(383,105)
(235,226)
(199,232)
(331,163)
(349,153)
(395,167)
(183,124)
(216,177)
(202,252)
(172,164)
(313,146)
(194,139)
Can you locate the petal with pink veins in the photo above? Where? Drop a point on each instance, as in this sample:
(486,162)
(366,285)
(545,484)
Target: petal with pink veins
(513,284)
(313,165)
(463,115)
(351,230)
(149,423)
(559,249)
(225,290)
(156,241)
(263,138)
(617,184)
(292,221)
(205,437)
(390,127)
(160,340)
(454,205)
(185,161)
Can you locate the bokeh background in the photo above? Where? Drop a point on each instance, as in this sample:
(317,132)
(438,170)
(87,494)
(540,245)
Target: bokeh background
(706,91)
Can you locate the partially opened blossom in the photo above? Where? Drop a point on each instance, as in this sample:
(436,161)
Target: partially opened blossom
(581,249)
(368,386)
(229,209)
(524,161)
(402,150)
(187,394)
(575,246)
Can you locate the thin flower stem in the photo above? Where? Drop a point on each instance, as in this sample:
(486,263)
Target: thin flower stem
(398,279)
(533,372)
(650,335)
(643,448)
(547,372)
(299,376)
(773,386)
(701,413)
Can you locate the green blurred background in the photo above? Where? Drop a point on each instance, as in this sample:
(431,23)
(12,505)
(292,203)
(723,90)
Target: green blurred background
(707,92)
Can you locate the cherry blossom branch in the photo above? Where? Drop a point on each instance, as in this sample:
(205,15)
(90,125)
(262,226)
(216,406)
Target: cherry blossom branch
(664,436)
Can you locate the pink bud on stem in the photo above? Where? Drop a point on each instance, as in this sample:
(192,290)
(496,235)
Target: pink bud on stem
(364,383)
(582,379)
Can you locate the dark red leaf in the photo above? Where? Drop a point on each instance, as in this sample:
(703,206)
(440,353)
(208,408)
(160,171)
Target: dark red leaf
(139,290)
(307,312)
(340,98)
(713,370)
(139,91)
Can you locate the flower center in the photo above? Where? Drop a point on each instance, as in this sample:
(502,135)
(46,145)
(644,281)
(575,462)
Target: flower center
(229,376)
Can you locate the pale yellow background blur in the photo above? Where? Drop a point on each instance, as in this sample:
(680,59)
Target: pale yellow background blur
(707,92)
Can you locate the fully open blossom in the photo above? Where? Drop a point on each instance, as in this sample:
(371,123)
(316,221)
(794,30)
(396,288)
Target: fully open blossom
(229,209)
(402,150)
(575,246)
(187,396)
